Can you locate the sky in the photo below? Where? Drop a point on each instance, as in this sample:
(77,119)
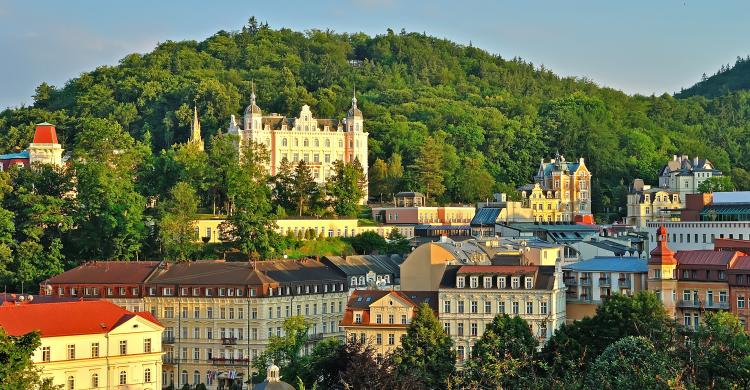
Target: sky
(646,47)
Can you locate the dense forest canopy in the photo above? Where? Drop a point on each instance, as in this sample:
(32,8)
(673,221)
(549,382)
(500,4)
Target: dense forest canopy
(729,78)
(475,108)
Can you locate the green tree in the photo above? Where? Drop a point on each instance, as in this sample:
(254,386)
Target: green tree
(285,351)
(397,243)
(503,355)
(283,186)
(716,184)
(368,242)
(252,220)
(346,187)
(177,225)
(473,182)
(378,178)
(426,352)
(741,179)
(395,173)
(717,353)
(429,168)
(633,363)
(17,372)
(304,189)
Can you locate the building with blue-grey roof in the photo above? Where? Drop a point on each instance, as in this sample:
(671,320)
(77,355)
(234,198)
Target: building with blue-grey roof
(589,282)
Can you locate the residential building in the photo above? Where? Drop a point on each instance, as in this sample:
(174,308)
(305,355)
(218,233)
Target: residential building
(318,142)
(684,175)
(45,149)
(489,214)
(589,282)
(90,344)
(562,192)
(368,272)
(471,296)
(379,318)
(739,290)
(424,267)
(646,204)
(218,316)
(597,246)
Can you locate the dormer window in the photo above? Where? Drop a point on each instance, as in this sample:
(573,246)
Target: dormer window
(460,282)
(239,292)
(183,291)
(230,292)
(487,282)
(515,282)
(270,292)
(222,292)
(196,292)
(501,282)
(529,283)
(474,281)
(152,291)
(209,292)
(358,318)
(166,291)
(252,292)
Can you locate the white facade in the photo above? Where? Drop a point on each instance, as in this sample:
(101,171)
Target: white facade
(318,142)
(698,235)
(683,175)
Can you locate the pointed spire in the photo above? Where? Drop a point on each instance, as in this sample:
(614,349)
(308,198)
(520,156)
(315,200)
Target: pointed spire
(354,97)
(195,129)
(252,95)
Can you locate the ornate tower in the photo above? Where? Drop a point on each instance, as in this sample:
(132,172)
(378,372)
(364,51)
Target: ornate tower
(195,130)
(662,271)
(45,149)
(253,115)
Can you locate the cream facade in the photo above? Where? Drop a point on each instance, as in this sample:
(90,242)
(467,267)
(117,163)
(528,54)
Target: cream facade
(563,191)
(318,142)
(646,204)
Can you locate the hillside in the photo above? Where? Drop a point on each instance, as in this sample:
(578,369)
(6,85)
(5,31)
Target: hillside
(499,115)
(728,79)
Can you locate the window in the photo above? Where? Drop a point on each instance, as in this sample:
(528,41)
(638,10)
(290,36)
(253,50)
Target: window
(740,305)
(123,377)
(45,354)
(528,283)
(71,351)
(460,352)
(515,282)
(358,318)
(95,380)
(379,339)
(722,296)
(542,307)
(460,306)
(460,282)
(71,383)
(210,313)
(94,350)
(474,329)
(460,329)
(501,282)
(501,307)
(474,282)
(529,307)
(446,306)
(147,375)
(488,307)
(390,318)
(515,307)
(168,312)
(123,347)
(722,275)
(196,354)
(391,339)
(686,295)
(474,308)
(403,319)
(378,318)
(487,283)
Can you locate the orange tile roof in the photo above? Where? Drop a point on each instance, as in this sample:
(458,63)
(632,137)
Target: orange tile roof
(45,134)
(65,318)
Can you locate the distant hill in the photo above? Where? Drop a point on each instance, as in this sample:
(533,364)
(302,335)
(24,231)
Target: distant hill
(728,79)
(502,115)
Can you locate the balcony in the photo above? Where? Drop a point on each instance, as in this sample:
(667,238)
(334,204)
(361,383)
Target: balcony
(698,304)
(570,281)
(585,282)
(228,341)
(624,283)
(605,282)
(230,361)
(169,359)
(167,340)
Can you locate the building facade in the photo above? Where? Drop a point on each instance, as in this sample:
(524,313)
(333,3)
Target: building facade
(471,296)
(218,316)
(562,191)
(698,235)
(45,149)
(379,318)
(318,142)
(90,344)
(646,204)
(683,175)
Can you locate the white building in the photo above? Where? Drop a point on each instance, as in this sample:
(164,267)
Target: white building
(683,175)
(318,142)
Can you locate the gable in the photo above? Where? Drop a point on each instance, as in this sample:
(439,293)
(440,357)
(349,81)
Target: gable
(397,300)
(135,324)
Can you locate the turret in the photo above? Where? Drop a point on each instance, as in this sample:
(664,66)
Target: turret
(45,149)
(253,115)
(354,118)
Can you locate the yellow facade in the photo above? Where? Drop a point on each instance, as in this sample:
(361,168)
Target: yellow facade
(650,205)
(97,362)
(546,206)
(566,190)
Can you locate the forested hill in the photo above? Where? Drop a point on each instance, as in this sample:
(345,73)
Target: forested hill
(499,116)
(726,80)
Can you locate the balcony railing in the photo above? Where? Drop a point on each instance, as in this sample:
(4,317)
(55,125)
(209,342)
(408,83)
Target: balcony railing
(228,341)
(570,281)
(605,282)
(169,359)
(230,361)
(624,283)
(698,304)
(585,282)
(167,340)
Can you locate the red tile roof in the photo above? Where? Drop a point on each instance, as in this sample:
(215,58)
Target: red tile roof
(65,319)
(106,272)
(742,263)
(45,134)
(706,257)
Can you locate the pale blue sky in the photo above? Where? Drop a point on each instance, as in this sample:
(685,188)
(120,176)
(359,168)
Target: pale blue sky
(637,46)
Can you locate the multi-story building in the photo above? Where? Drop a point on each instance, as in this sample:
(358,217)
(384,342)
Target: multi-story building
(218,316)
(683,175)
(471,296)
(379,318)
(45,149)
(562,191)
(318,142)
(646,204)
(739,290)
(369,272)
(90,344)
(589,282)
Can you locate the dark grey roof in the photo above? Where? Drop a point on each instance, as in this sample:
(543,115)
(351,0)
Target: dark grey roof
(360,265)
(545,276)
(485,216)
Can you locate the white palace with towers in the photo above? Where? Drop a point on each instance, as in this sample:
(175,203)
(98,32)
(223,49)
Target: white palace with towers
(318,142)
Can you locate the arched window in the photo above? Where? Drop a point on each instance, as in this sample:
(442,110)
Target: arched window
(316,142)
(209,378)
(147,375)
(123,377)
(283,142)
(196,377)
(184,377)
(71,383)
(306,143)
(95,380)
(354,280)
(362,280)
(328,143)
